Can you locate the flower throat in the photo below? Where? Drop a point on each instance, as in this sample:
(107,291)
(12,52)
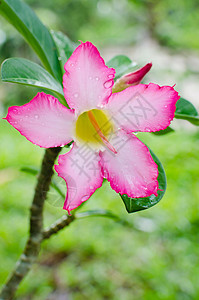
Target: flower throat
(94,127)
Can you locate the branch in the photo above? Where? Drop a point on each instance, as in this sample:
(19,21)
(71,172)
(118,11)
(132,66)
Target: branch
(32,247)
(57,226)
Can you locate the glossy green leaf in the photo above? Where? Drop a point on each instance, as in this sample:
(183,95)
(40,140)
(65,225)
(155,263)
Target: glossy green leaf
(122,64)
(137,204)
(23,71)
(185,110)
(163,132)
(23,18)
(65,47)
(185,107)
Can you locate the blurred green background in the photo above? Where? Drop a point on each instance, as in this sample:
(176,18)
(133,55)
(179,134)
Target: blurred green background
(156,258)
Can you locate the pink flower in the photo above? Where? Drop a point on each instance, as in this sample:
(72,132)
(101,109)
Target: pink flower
(101,124)
(131,79)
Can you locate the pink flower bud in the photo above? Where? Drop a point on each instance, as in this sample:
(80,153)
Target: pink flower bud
(131,79)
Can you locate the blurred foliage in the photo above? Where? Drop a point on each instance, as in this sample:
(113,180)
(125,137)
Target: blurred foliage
(173,23)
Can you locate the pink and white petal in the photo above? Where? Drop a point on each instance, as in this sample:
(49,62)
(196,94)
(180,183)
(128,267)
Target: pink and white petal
(44,121)
(82,173)
(143,107)
(87,81)
(131,170)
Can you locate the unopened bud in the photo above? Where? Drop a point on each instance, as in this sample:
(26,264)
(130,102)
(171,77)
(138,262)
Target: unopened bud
(131,79)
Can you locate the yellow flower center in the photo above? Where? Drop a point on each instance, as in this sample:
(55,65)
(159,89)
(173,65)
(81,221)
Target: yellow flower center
(95,127)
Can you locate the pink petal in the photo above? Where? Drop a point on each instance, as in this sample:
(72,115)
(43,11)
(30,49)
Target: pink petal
(131,79)
(143,107)
(88,81)
(44,121)
(81,170)
(132,170)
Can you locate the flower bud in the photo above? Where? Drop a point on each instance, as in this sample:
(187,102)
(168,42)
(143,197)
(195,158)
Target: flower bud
(131,79)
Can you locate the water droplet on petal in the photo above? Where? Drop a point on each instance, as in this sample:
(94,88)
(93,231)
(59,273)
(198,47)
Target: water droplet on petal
(72,65)
(110,76)
(108,84)
(96,78)
(76,95)
(84,198)
(26,116)
(90,77)
(15,110)
(36,116)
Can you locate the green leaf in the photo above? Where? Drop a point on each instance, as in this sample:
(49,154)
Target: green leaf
(23,71)
(137,204)
(23,18)
(185,107)
(122,64)
(65,47)
(165,131)
(185,110)
(30,170)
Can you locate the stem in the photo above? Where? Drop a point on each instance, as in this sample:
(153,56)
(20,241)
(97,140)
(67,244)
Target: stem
(57,226)
(33,243)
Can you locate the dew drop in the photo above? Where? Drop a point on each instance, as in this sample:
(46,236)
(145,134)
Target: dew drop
(59,58)
(72,65)
(108,84)
(36,117)
(15,110)
(110,76)
(26,116)
(84,198)
(96,78)
(76,95)
(90,78)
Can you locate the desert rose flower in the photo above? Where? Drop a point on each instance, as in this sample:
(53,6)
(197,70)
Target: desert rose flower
(131,79)
(102,125)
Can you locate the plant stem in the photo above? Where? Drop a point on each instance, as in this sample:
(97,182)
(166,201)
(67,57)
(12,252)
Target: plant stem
(57,226)
(33,243)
